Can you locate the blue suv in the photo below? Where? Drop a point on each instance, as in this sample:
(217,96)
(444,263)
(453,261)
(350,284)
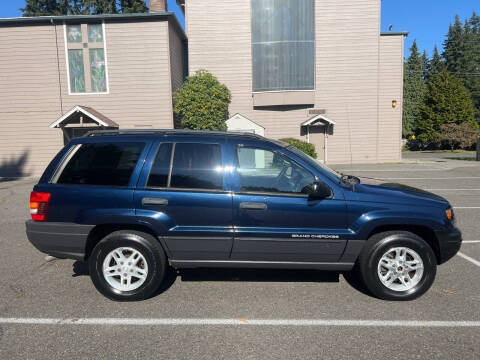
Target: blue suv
(134,202)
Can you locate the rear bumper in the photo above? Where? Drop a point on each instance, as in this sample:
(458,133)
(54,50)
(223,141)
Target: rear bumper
(63,240)
(449,242)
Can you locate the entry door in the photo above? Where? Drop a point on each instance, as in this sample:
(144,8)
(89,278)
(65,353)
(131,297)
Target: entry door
(274,220)
(317,137)
(186,196)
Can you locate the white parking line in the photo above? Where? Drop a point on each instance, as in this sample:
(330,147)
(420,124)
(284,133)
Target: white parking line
(237,322)
(471,242)
(466,207)
(452,189)
(424,178)
(473,261)
(389,170)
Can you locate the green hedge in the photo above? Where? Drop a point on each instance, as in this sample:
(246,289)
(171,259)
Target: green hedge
(304,146)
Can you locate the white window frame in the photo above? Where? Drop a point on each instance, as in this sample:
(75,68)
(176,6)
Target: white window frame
(68,65)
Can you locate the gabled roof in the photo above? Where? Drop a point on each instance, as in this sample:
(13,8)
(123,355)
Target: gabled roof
(90,113)
(238,115)
(318,118)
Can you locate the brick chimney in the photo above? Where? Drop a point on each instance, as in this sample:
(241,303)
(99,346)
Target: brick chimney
(158,5)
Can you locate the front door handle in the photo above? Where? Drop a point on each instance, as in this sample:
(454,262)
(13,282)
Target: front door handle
(253,206)
(154,201)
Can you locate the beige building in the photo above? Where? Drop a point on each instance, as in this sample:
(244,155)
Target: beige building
(63,76)
(318,70)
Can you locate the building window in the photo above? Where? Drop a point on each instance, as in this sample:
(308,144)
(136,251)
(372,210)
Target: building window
(86,64)
(283,44)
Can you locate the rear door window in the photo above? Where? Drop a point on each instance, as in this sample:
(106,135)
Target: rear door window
(109,164)
(197,166)
(158,177)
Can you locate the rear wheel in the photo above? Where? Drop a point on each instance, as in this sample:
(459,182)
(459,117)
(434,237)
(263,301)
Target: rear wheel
(397,265)
(127,265)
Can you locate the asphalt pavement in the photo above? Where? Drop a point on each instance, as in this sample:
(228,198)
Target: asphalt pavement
(50,309)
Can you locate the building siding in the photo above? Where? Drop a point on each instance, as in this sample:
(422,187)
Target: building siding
(176,57)
(31,81)
(347,71)
(391,88)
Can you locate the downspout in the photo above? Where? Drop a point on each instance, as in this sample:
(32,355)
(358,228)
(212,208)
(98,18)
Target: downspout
(325,144)
(308,134)
(58,67)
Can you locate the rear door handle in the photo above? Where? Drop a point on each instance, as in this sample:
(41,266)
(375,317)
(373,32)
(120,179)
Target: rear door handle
(154,201)
(253,206)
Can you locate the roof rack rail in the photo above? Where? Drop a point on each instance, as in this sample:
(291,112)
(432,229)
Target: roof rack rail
(167,132)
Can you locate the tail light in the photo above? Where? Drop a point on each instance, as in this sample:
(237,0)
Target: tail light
(39,205)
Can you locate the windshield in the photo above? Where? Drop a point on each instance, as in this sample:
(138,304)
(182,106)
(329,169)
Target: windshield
(332,174)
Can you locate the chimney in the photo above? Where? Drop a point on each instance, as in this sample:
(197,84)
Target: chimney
(158,6)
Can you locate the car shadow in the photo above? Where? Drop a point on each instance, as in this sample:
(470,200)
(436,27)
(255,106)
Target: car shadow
(257,275)
(80,268)
(353,279)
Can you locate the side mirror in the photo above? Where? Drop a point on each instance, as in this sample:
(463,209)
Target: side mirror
(319,191)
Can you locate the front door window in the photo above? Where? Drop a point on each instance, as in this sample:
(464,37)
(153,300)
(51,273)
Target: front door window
(265,171)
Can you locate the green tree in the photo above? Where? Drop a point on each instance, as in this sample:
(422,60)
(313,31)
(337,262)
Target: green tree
(462,56)
(425,65)
(133,6)
(454,47)
(82,7)
(471,62)
(446,101)
(413,89)
(436,64)
(45,7)
(202,102)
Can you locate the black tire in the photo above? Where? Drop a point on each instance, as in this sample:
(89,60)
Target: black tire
(149,248)
(377,246)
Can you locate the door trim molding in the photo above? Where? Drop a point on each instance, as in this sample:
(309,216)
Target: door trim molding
(334,266)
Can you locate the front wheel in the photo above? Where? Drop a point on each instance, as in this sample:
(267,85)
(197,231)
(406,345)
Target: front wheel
(127,265)
(397,265)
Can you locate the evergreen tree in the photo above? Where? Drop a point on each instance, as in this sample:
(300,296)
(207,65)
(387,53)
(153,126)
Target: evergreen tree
(425,64)
(475,23)
(45,7)
(436,65)
(96,7)
(133,6)
(462,56)
(413,89)
(471,62)
(454,47)
(82,7)
(446,101)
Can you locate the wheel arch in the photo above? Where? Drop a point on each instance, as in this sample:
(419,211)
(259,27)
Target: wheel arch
(102,230)
(422,231)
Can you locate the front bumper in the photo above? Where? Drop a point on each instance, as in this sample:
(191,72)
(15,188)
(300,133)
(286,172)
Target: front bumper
(62,240)
(449,241)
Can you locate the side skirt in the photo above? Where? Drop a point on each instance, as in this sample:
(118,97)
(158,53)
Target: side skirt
(260,264)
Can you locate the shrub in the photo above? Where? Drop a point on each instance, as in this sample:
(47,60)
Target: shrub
(304,146)
(202,102)
(457,136)
(447,101)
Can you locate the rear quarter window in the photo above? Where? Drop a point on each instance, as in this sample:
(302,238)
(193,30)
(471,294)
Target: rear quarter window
(108,164)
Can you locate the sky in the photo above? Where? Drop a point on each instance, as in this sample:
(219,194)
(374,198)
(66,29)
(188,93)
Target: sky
(426,20)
